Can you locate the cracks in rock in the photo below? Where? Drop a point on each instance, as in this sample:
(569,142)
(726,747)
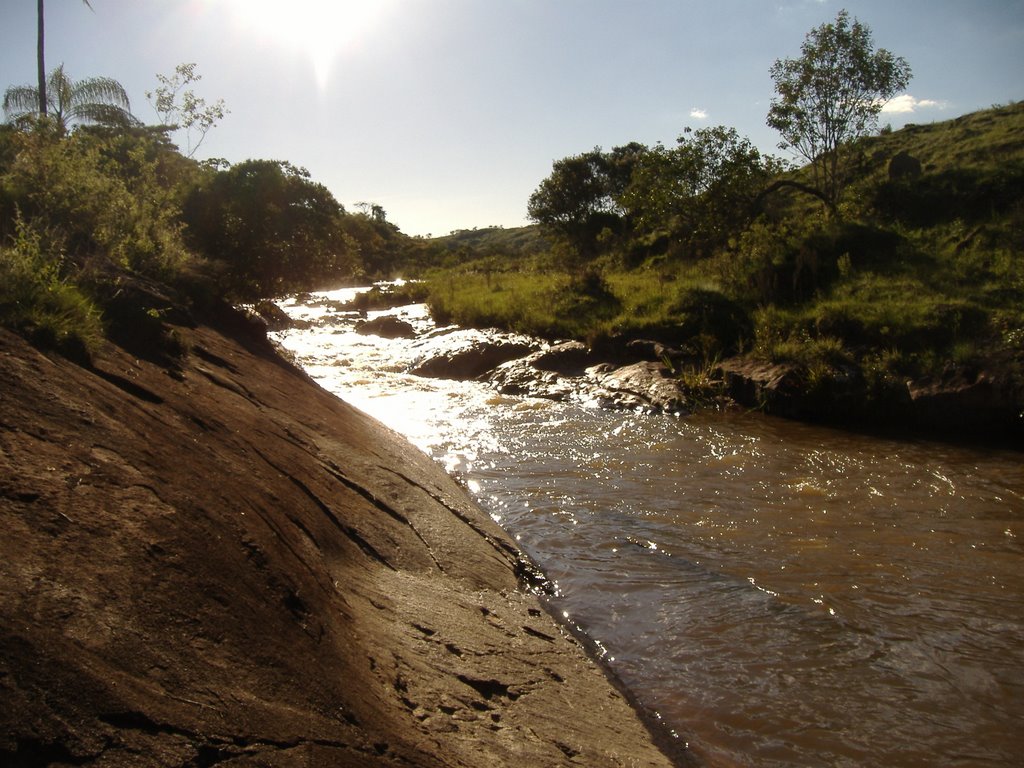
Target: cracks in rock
(230,386)
(367,494)
(210,357)
(539,635)
(367,548)
(526,571)
(503,548)
(566,750)
(532,577)
(210,750)
(133,389)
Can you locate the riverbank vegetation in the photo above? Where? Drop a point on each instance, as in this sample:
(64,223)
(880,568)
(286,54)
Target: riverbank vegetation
(888,256)
(96,207)
(917,273)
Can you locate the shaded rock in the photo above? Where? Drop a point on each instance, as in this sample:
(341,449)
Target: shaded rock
(960,404)
(387,327)
(654,351)
(974,403)
(234,566)
(903,165)
(275,318)
(772,387)
(472,360)
(570,358)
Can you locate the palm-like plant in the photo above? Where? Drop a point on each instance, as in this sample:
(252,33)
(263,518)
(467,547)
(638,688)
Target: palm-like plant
(100,100)
(41,57)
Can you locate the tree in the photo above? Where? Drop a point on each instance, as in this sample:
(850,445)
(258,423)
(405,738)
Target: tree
(580,199)
(700,191)
(272,228)
(100,100)
(41,56)
(180,109)
(831,95)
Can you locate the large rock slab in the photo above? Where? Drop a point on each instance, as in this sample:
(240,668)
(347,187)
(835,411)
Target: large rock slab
(224,564)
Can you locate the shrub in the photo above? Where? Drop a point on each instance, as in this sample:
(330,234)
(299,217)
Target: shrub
(37,300)
(717,323)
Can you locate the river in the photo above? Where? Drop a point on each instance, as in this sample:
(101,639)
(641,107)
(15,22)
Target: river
(779,594)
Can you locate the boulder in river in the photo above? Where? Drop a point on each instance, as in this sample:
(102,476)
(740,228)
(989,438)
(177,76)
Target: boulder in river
(550,373)
(644,385)
(567,371)
(775,388)
(387,327)
(471,360)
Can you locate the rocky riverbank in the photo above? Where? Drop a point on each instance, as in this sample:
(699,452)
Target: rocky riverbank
(209,560)
(635,374)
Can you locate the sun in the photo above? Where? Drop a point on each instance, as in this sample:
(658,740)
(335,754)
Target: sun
(321,30)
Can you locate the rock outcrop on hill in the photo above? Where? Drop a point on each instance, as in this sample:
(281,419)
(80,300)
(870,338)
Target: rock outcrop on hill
(217,562)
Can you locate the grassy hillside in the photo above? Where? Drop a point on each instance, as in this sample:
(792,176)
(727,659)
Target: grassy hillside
(497,240)
(919,274)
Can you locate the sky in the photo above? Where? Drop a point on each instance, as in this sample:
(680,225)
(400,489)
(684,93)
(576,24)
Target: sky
(449,113)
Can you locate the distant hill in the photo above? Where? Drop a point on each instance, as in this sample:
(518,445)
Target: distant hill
(522,241)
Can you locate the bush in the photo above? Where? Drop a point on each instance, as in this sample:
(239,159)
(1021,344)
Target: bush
(717,323)
(91,194)
(38,301)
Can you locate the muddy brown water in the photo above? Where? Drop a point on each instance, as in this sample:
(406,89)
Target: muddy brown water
(780,594)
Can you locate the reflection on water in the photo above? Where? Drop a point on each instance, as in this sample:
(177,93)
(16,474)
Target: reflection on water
(781,594)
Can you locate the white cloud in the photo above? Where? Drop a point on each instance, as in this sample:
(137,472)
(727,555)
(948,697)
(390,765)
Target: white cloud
(906,104)
(699,114)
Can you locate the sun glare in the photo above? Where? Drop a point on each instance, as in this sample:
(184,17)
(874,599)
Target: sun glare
(320,29)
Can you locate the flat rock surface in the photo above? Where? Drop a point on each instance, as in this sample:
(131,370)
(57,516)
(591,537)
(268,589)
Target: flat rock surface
(224,564)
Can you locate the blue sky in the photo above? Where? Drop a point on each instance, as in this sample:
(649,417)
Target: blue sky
(449,113)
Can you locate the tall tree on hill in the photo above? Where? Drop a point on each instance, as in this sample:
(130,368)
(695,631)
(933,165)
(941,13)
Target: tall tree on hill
(41,55)
(831,95)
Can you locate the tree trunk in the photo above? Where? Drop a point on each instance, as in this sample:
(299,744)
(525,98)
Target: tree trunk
(42,63)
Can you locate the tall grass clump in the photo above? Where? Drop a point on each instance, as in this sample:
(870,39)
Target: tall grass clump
(38,300)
